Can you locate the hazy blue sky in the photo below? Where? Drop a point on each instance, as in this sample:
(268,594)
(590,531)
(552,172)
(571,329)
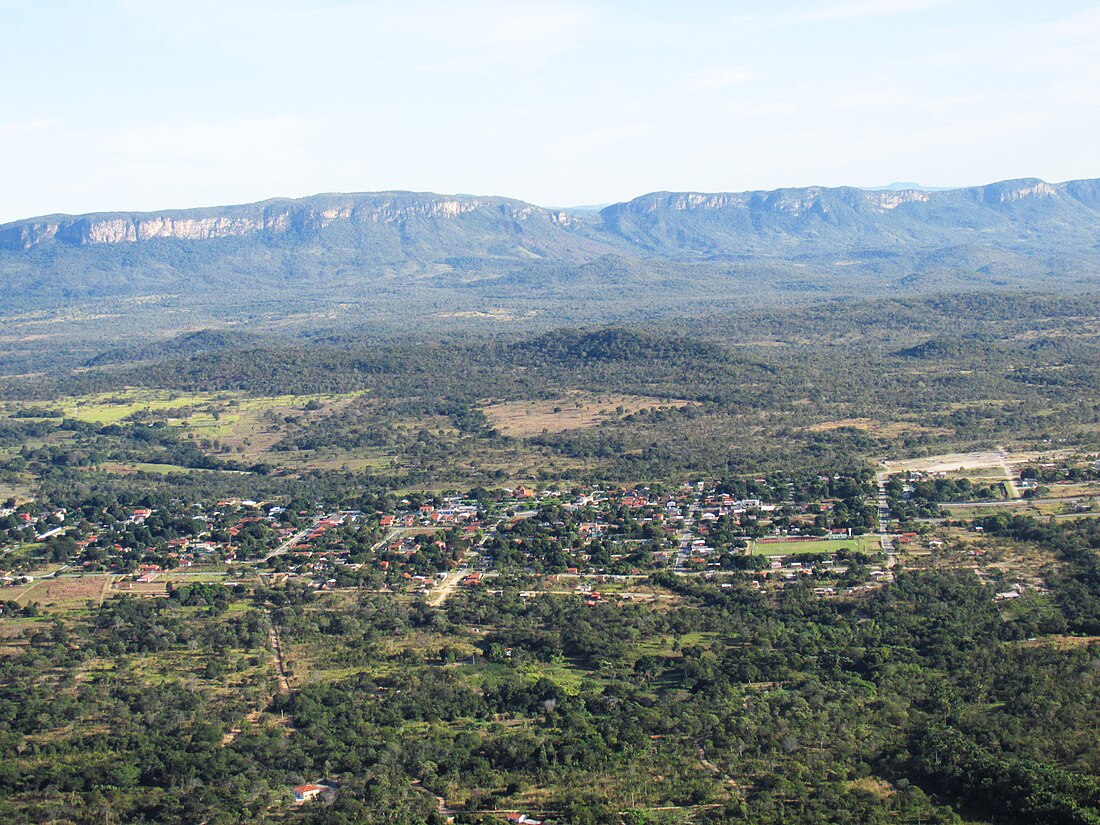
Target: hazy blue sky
(143,104)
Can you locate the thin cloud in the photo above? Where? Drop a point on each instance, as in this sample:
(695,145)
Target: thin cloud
(22,127)
(860,9)
(479,34)
(717,77)
(586,142)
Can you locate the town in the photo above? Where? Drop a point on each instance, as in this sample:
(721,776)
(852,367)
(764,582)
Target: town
(427,544)
(842,533)
(533,602)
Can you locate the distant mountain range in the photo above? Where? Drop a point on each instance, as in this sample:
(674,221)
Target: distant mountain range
(898,186)
(426,226)
(402,258)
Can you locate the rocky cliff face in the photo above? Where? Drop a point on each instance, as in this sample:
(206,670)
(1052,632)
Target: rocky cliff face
(798,201)
(822,220)
(303,216)
(403,257)
(441,228)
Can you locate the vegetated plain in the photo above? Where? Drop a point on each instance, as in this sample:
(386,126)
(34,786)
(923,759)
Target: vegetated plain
(833,383)
(622,573)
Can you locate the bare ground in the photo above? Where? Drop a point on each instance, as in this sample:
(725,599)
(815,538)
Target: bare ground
(572,412)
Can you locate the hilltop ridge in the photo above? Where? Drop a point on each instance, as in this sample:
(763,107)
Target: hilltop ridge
(311,214)
(276,215)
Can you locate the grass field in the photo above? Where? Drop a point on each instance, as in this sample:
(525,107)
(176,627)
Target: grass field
(576,411)
(246,426)
(233,425)
(1083,489)
(111,408)
(19,490)
(215,414)
(670,646)
(145,467)
(867,544)
(64,593)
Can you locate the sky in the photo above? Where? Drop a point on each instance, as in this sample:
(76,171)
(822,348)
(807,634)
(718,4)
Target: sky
(150,104)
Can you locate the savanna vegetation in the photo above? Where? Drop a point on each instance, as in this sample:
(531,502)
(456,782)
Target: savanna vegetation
(932,697)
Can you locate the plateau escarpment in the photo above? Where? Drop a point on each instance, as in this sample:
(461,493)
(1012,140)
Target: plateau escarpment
(807,216)
(300,216)
(823,220)
(407,260)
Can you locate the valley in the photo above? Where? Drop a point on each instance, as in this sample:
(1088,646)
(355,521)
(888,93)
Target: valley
(811,560)
(547,413)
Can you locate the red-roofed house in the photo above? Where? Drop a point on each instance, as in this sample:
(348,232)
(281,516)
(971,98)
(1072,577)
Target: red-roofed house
(304,793)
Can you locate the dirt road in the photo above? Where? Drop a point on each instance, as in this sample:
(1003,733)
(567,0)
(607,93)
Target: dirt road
(280,666)
(448,586)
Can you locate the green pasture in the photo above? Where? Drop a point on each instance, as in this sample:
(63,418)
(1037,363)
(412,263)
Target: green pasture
(213,413)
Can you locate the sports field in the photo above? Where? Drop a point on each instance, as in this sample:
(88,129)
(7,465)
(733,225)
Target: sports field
(867,544)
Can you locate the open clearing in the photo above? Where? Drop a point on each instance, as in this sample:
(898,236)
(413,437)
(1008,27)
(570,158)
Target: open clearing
(113,407)
(19,490)
(867,544)
(144,467)
(883,429)
(65,592)
(211,414)
(951,462)
(573,412)
(1061,642)
(246,426)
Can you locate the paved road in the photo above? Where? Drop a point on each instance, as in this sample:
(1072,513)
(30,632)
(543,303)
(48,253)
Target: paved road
(389,537)
(290,542)
(686,539)
(452,579)
(293,540)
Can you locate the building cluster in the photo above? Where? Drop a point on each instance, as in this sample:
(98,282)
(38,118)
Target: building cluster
(415,543)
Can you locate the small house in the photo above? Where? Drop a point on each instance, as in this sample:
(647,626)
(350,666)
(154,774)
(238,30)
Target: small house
(305,793)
